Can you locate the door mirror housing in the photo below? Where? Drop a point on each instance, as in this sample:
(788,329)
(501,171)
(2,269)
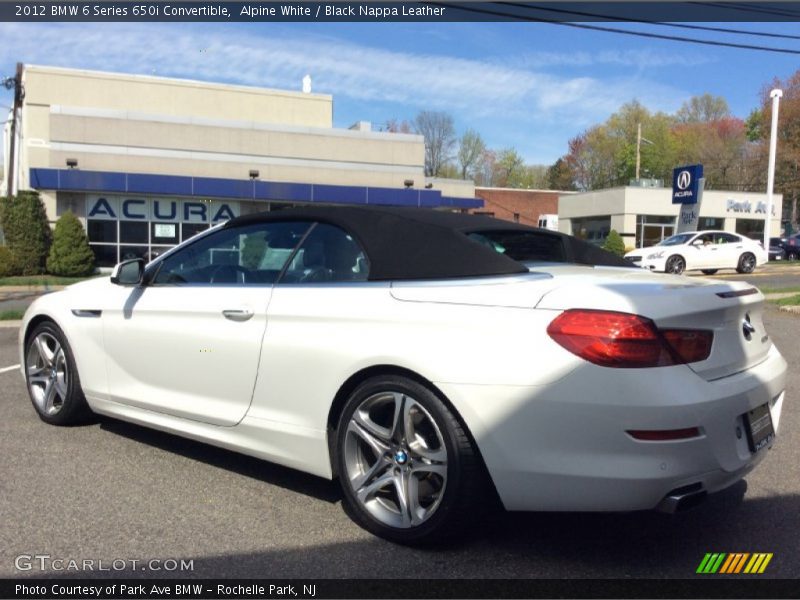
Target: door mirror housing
(697,243)
(128,272)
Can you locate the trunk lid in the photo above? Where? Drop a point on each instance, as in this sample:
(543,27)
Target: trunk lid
(731,309)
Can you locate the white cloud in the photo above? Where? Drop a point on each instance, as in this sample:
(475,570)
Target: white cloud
(643,58)
(345,69)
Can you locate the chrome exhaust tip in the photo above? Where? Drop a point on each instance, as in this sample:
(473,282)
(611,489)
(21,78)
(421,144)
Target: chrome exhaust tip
(683,498)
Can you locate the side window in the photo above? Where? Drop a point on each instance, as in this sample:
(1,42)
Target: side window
(725,238)
(249,255)
(328,254)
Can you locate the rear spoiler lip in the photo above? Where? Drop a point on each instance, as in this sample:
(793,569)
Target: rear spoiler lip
(738,293)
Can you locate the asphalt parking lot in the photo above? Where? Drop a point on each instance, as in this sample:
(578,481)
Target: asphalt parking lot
(113,491)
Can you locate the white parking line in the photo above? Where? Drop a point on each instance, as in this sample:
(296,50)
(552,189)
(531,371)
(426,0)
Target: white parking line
(7,369)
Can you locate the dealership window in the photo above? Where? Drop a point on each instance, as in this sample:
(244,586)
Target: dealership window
(651,229)
(592,229)
(751,228)
(706,223)
(120,228)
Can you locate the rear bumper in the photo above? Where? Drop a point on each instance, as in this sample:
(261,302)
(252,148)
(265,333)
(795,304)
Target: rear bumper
(563,446)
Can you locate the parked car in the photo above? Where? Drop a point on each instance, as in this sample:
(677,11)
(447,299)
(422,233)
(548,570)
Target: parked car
(776,251)
(706,251)
(431,362)
(790,245)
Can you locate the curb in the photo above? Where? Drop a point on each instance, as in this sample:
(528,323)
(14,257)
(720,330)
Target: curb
(10,324)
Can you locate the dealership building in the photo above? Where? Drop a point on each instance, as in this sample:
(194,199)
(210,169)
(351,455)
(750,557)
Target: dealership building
(643,216)
(146,162)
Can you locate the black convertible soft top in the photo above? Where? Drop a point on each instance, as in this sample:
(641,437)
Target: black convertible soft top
(420,243)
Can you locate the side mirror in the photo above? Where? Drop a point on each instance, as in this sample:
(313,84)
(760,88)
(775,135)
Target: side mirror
(697,243)
(128,272)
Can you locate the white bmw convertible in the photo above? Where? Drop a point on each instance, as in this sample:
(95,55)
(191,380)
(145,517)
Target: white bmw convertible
(429,361)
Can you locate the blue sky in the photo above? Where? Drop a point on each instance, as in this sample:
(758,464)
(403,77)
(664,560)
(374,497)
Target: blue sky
(531,86)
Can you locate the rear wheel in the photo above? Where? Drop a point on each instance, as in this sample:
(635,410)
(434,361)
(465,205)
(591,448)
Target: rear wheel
(408,471)
(747,263)
(53,383)
(710,271)
(675,265)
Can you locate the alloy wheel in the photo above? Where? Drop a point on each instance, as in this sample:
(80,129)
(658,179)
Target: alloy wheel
(48,373)
(395,459)
(675,265)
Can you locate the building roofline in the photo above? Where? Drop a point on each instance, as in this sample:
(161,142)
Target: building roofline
(507,189)
(160,80)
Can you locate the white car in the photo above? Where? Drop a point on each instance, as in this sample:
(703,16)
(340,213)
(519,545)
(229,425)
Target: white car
(706,251)
(427,360)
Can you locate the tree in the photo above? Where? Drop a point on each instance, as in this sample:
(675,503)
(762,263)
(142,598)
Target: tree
(27,232)
(484,171)
(440,137)
(703,109)
(395,126)
(614,243)
(470,150)
(6,262)
(559,176)
(510,168)
(787,161)
(70,254)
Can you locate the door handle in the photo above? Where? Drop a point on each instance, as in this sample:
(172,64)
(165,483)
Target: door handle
(237,314)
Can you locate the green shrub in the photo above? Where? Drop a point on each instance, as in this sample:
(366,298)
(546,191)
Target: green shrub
(253,250)
(70,254)
(27,232)
(6,261)
(614,243)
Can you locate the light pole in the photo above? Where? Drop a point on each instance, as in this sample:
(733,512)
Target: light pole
(776,96)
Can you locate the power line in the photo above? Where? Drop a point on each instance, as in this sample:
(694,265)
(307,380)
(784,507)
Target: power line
(754,8)
(658,36)
(662,23)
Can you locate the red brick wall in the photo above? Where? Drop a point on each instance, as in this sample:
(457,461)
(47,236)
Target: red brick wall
(528,204)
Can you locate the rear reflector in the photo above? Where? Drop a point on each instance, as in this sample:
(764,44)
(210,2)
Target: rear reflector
(665,434)
(690,345)
(624,340)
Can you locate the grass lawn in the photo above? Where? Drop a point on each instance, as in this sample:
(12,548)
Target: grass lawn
(779,290)
(42,280)
(11,315)
(790,301)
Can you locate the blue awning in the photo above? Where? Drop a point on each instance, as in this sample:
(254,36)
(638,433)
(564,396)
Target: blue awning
(78,180)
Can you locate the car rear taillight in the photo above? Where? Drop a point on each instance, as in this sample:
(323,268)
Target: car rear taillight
(624,340)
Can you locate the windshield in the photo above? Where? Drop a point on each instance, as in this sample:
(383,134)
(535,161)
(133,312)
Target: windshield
(677,240)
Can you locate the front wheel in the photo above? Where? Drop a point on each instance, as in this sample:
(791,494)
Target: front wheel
(53,383)
(791,255)
(675,265)
(408,471)
(747,263)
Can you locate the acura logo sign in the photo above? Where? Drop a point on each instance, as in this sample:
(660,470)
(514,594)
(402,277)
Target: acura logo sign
(684,180)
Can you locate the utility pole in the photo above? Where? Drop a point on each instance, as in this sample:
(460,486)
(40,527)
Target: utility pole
(639,140)
(776,96)
(16,83)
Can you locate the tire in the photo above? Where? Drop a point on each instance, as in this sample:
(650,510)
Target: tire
(52,378)
(710,271)
(439,472)
(675,264)
(747,263)
(791,255)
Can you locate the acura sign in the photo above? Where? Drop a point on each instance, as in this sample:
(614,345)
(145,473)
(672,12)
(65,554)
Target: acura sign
(685,182)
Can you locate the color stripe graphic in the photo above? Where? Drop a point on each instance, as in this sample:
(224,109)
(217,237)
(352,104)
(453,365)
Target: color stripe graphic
(734,562)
